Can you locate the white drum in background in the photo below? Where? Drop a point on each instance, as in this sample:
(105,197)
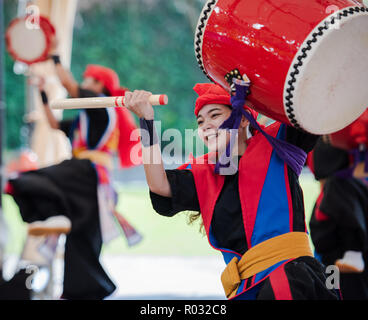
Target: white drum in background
(29,43)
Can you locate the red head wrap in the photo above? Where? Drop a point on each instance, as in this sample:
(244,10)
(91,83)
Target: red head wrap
(107,76)
(209,93)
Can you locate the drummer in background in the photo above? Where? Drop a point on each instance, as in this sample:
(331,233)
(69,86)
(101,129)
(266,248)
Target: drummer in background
(339,220)
(260,204)
(80,188)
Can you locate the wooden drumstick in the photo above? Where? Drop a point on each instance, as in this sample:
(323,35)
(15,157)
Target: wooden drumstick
(102,102)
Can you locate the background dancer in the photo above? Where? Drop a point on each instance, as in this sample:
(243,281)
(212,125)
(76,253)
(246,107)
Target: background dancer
(80,188)
(339,220)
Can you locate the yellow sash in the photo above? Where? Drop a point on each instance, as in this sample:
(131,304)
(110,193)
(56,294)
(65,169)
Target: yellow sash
(95,156)
(262,256)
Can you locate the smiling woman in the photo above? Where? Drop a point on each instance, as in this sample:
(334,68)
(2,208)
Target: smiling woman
(251,216)
(212,108)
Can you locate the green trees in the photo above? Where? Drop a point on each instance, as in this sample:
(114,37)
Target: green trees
(149,44)
(14,90)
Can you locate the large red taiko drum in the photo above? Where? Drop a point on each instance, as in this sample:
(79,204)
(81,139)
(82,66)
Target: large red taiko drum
(307,60)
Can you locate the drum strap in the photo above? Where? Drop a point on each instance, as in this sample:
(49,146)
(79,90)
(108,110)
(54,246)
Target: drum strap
(291,154)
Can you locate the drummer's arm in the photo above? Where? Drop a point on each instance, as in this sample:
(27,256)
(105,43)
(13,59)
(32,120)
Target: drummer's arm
(66,78)
(157,180)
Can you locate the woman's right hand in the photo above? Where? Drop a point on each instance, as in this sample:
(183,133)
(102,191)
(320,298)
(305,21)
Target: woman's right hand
(137,102)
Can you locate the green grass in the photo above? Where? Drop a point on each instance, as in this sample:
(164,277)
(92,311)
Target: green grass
(161,235)
(311,191)
(15,225)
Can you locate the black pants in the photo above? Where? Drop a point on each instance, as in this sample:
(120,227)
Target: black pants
(338,224)
(70,189)
(303,279)
(16,287)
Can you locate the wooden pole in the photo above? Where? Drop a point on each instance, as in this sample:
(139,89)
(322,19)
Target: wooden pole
(102,102)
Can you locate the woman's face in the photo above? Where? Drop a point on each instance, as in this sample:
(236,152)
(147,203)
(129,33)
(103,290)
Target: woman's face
(91,84)
(209,119)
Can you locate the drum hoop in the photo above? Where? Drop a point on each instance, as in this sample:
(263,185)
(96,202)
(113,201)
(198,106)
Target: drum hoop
(198,39)
(302,55)
(46,27)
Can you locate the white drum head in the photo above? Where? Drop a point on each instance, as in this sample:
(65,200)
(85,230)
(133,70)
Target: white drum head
(327,85)
(27,44)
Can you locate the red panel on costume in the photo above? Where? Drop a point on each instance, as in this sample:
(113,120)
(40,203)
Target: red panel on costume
(253,168)
(280,284)
(208,186)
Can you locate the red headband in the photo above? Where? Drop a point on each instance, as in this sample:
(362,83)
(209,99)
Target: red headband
(107,76)
(209,93)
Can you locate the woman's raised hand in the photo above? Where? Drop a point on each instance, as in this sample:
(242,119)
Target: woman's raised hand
(137,102)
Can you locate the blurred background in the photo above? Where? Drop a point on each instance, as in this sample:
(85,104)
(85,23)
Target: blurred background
(149,43)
